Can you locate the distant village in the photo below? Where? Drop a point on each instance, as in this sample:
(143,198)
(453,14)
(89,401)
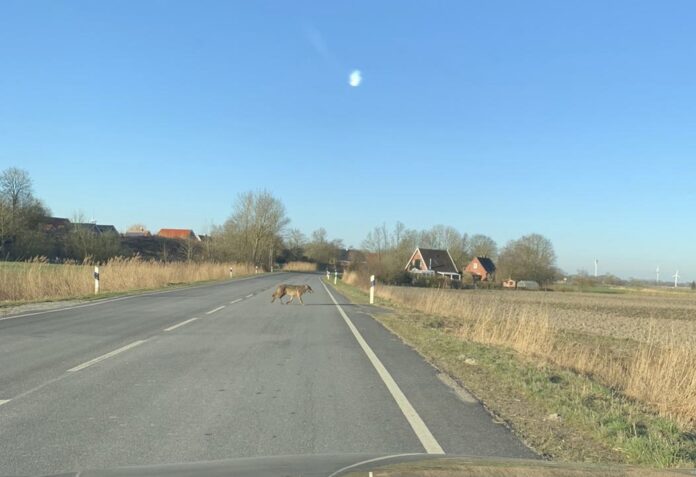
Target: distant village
(166,244)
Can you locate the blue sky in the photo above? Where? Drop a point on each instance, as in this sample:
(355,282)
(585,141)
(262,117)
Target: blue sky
(571,119)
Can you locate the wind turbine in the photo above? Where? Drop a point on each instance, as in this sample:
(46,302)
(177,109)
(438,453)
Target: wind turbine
(676,279)
(657,272)
(596,262)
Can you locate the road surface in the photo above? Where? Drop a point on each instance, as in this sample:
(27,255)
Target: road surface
(218,372)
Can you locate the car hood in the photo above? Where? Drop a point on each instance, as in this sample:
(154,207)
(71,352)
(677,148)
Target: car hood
(416,465)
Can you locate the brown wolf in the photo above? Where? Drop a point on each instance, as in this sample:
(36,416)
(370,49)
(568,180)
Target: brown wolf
(292,291)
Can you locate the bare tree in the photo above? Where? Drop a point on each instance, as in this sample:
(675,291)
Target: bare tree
(378,241)
(15,187)
(483,246)
(530,257)
(321,249)
(253,231)
(296,242)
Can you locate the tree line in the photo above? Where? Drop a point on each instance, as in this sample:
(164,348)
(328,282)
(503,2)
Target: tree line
(257,232)
(531,257)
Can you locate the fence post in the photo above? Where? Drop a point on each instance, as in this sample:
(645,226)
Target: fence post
(96,280)
(372,289)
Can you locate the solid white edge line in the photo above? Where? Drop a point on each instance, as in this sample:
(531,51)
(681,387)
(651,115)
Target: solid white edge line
(106,356)
(214,310)
(173,327)
(235,301)
(427,439)
(4,401)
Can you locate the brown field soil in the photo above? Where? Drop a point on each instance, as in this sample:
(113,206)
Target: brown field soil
(649,317)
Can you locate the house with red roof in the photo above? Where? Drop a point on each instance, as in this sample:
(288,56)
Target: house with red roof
(182,234)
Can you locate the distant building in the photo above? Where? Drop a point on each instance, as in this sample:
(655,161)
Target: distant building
(182,234)
(137,231)
(53,225)
(428,261)
(96,229)
(509,283)
(527,285)
(482,269)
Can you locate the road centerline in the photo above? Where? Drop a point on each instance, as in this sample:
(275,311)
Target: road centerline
(3,401)
(173,327)
(426,438)
(106,356)
(249,295)
(214,310)
(236,301)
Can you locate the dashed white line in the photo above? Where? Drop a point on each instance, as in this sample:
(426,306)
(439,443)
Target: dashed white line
(417,424)
(214,310)
(180,324)
(3,401)
(106,356)
(249,295)
(236,301)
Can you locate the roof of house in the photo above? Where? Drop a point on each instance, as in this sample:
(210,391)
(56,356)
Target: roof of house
(438,260)
(51,224)
(96,228)
(177,233)
(487,264)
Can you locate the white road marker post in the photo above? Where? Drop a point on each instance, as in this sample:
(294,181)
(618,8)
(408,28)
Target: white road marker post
(256,270)
(230,272)
(328,274)
(335,276)
(96,280)
(372,289)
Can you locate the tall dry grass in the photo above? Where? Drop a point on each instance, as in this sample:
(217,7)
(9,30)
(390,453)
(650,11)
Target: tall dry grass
(662,375)
(300,267)
(38,280)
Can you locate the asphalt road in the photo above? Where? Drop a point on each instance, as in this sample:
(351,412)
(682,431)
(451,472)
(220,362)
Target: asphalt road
(218,372)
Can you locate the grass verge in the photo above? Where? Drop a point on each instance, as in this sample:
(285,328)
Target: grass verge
(559,413)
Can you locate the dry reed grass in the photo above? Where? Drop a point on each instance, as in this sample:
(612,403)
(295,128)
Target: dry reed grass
(37,280)
(300,267)
(654,370)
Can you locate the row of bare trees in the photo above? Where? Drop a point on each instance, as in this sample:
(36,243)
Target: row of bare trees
(256,232)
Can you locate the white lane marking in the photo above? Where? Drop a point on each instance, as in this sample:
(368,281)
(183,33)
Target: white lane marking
(249,295)
(214,310)
(427,439)
(3,401)
(180,324)
(128,297)
(236,301)
(106,356)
